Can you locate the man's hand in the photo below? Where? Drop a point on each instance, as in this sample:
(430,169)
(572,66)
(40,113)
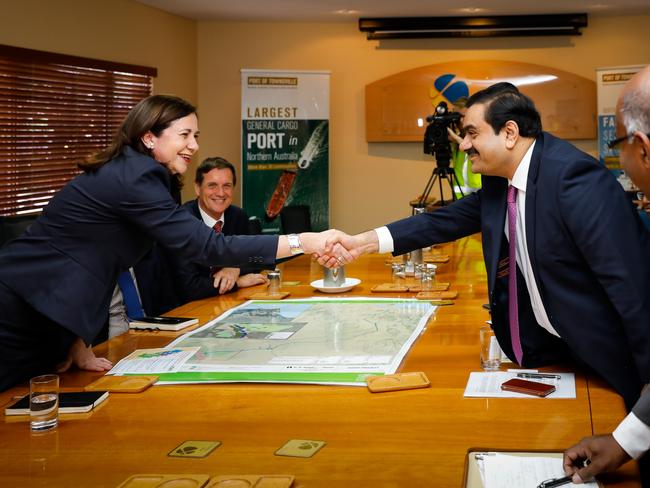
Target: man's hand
(322,244)
(225,279)
(83,357)
(251,279)
(602,452)
(342,248)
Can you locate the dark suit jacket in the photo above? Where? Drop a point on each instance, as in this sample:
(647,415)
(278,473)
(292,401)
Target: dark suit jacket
(194,281)
(642,408)
(101,223)
(588,251)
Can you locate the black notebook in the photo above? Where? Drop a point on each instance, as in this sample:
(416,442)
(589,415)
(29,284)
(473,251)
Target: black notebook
(162,323)
(69,402)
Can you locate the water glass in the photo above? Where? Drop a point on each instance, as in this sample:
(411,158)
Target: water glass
(44,402)
(399,274)
(428,277)
(274,282)
(490,349)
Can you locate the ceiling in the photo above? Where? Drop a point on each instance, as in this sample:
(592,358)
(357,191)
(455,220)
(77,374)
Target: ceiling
(351,10)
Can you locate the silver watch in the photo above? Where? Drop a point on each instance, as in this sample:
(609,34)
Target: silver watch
(295,246)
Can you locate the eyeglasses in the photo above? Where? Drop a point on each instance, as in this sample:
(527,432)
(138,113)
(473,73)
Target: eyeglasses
(615,142)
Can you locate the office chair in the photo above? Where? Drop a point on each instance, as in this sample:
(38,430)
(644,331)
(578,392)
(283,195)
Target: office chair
(12,227)
(254,226)
(295,219)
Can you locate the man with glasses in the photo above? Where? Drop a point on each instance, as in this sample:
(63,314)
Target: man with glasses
(631,439)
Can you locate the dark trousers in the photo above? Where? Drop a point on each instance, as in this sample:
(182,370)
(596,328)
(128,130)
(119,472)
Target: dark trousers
(30,343)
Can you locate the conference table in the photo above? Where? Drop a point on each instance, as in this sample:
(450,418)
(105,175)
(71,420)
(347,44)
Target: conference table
(409,438)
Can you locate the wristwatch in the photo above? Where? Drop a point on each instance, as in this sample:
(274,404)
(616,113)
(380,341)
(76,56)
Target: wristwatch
(295,246)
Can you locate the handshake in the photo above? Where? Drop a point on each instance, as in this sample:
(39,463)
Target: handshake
(333,248)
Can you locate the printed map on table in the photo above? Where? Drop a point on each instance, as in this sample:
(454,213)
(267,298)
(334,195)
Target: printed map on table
(334,341)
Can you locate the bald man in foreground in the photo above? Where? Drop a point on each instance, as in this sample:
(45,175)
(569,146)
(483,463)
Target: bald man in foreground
(631,439)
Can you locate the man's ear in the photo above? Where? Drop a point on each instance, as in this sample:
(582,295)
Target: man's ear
(196,189)
(645,148)
(512,133)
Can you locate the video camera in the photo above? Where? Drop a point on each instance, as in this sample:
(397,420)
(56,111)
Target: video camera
(436,138)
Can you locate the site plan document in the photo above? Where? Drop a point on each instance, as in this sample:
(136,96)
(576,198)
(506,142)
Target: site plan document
(317,340)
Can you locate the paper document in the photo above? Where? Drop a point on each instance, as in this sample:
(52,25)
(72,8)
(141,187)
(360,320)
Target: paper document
(500,470)
(488,385)
(148,361)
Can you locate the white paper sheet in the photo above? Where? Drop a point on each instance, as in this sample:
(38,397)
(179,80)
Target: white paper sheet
(507,471)
(488,385)
(151,361)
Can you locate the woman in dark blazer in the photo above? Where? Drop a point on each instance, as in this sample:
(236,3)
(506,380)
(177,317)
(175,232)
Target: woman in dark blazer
(56,280)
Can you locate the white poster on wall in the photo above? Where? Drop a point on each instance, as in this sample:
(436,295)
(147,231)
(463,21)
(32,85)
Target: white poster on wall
(285,146)
(609,82)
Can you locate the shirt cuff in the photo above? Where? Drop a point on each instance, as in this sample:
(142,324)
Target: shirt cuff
(633,436)
(385,240)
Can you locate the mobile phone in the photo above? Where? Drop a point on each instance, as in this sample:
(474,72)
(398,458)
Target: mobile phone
(528,387)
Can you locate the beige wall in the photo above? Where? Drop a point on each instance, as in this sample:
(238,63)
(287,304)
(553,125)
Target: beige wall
(370,184)
(114,30)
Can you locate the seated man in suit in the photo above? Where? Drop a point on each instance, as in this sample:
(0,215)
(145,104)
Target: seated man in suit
(214,185)
(631,439)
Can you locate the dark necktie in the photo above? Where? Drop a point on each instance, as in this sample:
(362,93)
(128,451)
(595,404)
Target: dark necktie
(513,309)
(130,295)
(217,226)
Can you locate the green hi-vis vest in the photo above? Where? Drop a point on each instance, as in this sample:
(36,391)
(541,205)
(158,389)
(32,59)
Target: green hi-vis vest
(466,180)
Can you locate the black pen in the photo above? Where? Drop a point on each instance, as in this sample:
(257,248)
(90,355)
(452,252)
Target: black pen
(539,375)
(555,482)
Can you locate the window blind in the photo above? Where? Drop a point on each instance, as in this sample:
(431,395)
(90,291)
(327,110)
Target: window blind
(54,111)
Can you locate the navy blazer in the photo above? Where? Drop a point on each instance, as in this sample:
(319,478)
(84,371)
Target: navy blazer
(588,250)
(194,281)
(101,223)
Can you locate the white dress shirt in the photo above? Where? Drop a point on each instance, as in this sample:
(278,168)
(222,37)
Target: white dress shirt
(633,435)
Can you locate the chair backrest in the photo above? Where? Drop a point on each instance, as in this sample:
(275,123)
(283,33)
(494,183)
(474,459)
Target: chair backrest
(295,219)
(12,227)
(254,226)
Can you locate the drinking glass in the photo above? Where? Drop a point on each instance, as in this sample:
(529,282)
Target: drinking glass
(490,349)
(44,402)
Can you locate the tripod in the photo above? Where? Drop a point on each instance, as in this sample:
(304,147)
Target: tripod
(439,173)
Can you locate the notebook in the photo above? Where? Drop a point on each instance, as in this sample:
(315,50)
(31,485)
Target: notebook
(69,402)
(163,323)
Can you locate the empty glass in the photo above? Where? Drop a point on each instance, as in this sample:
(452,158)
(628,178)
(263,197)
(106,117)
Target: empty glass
(428,277)
(399,274)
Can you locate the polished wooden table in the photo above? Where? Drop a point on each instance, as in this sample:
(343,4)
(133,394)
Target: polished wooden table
(413,438)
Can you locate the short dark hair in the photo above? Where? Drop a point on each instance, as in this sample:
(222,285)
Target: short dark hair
(505,102)
(214,163)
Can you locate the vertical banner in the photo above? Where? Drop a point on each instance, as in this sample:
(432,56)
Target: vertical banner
(609,82)
(285,145)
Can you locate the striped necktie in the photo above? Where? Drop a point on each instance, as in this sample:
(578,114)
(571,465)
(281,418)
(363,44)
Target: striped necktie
(218,226)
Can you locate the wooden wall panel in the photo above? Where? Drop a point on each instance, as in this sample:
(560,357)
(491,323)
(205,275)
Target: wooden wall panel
(566,102)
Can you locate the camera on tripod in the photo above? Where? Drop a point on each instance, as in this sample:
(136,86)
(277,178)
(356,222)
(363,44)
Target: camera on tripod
(436,138)
(436,143)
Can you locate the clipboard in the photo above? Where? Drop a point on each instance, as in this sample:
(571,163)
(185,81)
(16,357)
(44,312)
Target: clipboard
(472,476)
